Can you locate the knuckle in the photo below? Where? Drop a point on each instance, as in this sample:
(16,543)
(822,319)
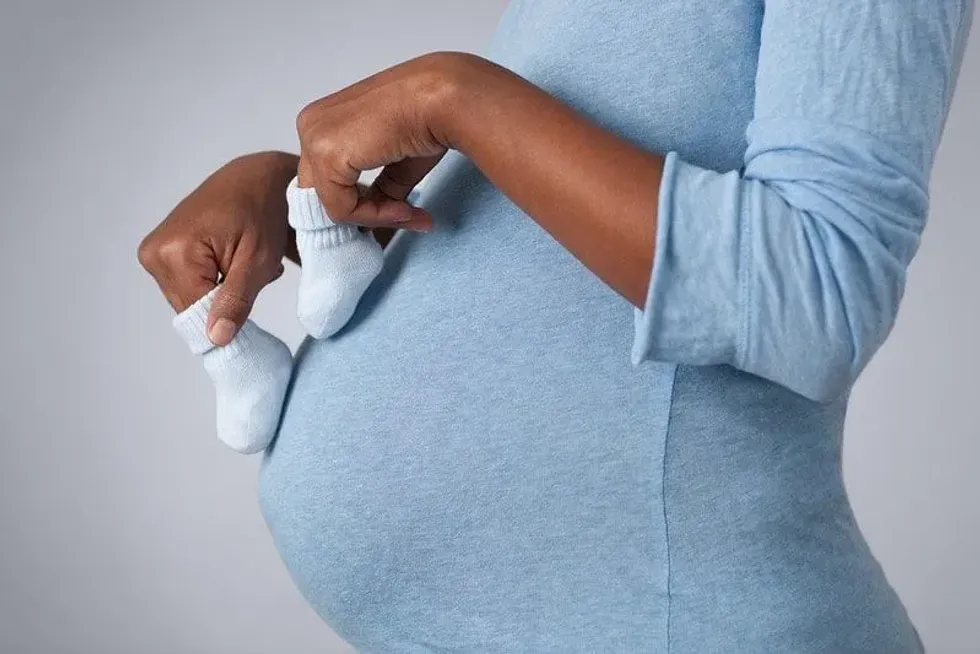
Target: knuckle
(265,262)
(234,304)
(175,253)
(275,272)
(158,254)
(326,146)
(234,300)
(147,254)
(305,117)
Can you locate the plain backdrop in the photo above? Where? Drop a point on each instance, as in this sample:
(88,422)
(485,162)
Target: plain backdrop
(124,525)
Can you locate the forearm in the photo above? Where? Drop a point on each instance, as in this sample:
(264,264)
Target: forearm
(594,192)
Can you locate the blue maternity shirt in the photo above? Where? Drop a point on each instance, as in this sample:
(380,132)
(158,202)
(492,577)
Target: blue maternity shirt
(501,454)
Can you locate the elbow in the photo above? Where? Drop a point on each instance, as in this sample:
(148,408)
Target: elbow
(824,365)
(833,224)
(829,311)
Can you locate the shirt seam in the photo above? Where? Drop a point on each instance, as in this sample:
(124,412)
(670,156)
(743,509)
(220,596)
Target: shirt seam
(663,502)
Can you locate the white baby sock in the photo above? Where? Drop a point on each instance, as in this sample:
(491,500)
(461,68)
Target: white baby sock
(250,377)
(339,263)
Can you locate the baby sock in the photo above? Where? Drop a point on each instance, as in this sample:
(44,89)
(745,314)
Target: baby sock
(250,377)
(339,263)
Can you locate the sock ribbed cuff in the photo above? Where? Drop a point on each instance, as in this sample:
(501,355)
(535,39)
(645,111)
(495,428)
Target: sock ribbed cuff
(306,212)
(320,239)
(192,324)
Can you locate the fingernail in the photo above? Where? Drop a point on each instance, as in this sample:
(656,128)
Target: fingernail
(222,331)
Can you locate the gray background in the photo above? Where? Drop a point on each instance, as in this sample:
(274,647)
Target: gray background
(124,525)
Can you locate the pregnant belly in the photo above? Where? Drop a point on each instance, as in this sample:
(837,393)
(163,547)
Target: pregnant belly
(446,447)
(474,465)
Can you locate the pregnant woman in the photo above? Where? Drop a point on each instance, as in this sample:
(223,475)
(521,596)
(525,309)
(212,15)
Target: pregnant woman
(599,405)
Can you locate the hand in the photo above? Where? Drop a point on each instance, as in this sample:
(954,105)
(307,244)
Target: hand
(233,226)
(392,119)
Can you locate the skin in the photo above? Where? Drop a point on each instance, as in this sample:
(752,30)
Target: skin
(593,191)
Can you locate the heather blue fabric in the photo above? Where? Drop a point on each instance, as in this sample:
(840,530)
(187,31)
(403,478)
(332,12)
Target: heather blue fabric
(500,454)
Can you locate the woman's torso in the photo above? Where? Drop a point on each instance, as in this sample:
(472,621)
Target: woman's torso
(473,464)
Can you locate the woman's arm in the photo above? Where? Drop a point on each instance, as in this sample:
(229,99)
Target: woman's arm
(595,192)
(791,268)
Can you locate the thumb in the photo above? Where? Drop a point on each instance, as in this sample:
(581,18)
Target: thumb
(232,303)
(396,180)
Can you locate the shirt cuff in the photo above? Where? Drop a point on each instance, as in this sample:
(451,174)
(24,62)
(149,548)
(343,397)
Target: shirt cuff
(693,308)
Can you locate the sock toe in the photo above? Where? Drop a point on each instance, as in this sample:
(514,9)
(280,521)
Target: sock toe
(251,379)
(333,281)
(322,310)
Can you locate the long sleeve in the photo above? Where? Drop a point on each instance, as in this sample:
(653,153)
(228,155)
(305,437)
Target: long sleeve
(793,267)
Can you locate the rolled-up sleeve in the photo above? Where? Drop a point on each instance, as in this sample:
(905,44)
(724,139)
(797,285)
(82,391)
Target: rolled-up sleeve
(792,268)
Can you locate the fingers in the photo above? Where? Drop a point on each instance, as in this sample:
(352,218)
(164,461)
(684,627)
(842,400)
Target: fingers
(304,173)
(184,269)
(375,209)
(398,179)
(381,205)
(371,206)
(234,300)
(378,122)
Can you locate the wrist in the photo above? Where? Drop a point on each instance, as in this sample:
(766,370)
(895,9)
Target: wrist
(276,168)
(459,82)
(259,179)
